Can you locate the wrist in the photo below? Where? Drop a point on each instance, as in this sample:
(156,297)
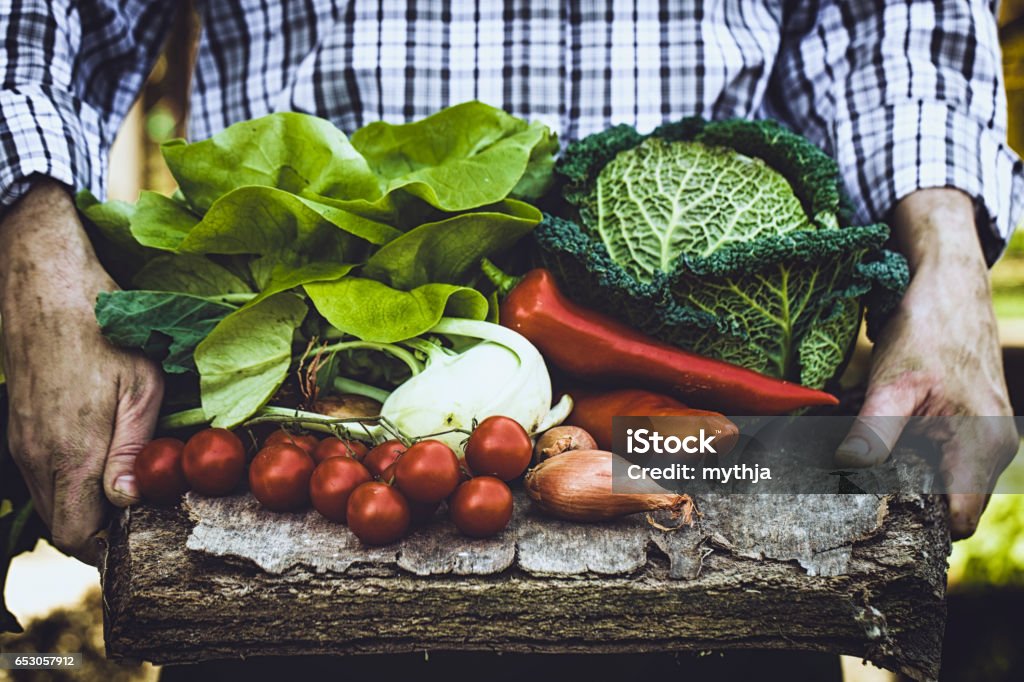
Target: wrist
(46,259)
(936,230)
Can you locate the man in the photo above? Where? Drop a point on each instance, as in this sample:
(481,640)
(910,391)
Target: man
(906,95)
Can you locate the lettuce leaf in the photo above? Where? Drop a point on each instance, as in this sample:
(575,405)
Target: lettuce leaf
(373,311)
(288,151)
(447,250)
(189,274)
(246,357)
(463,157)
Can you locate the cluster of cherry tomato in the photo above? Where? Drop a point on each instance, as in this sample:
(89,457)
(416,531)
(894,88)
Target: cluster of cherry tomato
(379,492)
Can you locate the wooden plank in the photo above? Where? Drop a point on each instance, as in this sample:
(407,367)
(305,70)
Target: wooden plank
(856,574)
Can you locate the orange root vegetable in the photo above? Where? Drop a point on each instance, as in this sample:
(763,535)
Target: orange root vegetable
(577,486)
(562,439)
(594,412)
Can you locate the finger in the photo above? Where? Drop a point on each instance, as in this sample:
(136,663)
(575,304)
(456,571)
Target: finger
(874,433)
(138,407)
(39,481)
(78,504)
(964,513)
(971,462)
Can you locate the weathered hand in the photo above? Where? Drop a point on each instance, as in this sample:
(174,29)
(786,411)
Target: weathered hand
(939,356)
(80,409)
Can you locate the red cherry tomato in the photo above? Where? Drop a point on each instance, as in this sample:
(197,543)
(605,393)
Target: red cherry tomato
(279,477)
(377,513)
(499,446)
(158,471)
(428,471)
(332,484)
(336,447)
(382,456)
(213,461)
(306,441)
(422,512)
(481,507)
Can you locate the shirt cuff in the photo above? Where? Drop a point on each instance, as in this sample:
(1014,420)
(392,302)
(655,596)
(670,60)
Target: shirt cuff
(900,148)
(48,132)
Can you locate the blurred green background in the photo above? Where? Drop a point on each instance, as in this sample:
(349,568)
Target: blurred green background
(984,631)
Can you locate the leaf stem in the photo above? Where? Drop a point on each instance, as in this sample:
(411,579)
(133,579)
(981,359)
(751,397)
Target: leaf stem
(234,299)
(433,351)
(414,365)
(183,420)
(346,385)
(488,331)
(503,281)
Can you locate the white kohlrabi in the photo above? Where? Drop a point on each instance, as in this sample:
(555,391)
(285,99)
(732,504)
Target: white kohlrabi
(504,374)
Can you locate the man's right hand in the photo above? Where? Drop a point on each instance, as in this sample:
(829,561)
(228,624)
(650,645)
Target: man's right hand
(80,408)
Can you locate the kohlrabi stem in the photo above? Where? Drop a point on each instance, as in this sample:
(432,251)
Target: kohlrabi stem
(434,352)
(234,299)
(503,281)
(488,331)
(359,388)
(414,365)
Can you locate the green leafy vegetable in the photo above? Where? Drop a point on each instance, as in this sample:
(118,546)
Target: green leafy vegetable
(284,277)
(160,222)
(447,250)
(288,151)
(189,274)
(109,226)
(382,234)
(264,220)
(373,311)
(722,238)
(113,219)
(659,200)
(166,326)
(246,357)
(463,157)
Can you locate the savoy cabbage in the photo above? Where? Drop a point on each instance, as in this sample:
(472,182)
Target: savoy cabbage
(727,238)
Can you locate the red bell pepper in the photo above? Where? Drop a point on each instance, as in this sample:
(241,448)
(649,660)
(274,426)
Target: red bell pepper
(597,348)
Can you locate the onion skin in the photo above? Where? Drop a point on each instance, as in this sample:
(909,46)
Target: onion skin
(562,439)
(577,486)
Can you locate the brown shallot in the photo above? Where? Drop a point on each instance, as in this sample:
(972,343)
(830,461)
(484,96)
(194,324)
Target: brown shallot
(577,486)
(562,439)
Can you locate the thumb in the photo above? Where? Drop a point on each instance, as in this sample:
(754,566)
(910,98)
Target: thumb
(874,433)
(138,407)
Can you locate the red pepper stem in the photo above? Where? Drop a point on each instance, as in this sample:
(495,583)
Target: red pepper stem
(502,280)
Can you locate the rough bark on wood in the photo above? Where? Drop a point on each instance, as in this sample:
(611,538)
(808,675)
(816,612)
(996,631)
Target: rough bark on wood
(855,574)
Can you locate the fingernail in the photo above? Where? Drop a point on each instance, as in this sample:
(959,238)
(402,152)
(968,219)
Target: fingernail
(125,484)
(853,450)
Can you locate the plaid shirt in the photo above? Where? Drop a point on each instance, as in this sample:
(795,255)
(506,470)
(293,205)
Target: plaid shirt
(905,94)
